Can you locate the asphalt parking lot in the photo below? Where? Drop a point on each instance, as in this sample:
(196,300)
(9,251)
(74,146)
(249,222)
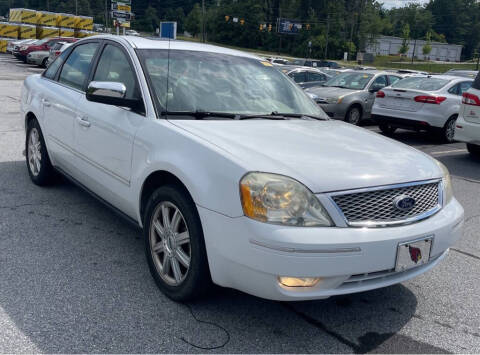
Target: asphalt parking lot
(73,278)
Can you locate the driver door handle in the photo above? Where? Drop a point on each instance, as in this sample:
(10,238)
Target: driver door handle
(83,121)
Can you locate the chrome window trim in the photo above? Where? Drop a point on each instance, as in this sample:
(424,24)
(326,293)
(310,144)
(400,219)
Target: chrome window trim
(391,223)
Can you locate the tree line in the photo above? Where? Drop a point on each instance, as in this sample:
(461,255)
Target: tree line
(332,27)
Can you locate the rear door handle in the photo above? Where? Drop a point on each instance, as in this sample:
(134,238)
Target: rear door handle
(46,103)
(82,121)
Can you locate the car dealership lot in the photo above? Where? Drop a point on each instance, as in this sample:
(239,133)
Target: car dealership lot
(74,278)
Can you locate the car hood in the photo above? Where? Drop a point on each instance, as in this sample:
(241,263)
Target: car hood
(327,92)
(324,155)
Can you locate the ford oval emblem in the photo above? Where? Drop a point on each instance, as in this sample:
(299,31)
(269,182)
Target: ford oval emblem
(404,203)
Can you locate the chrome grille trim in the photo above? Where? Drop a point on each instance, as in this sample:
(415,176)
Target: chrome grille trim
(431,190)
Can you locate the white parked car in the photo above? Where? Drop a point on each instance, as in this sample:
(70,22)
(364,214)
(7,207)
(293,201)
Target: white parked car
(430,103)
(235,175)
(39,58)
(468,123)
(56,50)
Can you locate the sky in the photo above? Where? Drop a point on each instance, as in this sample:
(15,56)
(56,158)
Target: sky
(399,3)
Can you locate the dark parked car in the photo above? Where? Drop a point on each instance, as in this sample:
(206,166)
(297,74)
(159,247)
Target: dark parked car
(316,63)
(307,78)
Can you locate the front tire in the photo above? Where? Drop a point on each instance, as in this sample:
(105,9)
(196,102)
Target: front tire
(354,115)
(44,63)
(387,129)
(474,150)
(175,246)
(38,162)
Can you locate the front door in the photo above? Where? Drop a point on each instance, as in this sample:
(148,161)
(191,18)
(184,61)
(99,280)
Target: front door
(104,134)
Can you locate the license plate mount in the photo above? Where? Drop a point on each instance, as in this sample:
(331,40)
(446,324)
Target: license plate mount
(413,253)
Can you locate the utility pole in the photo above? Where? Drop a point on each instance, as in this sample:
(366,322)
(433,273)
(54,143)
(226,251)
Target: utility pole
(48,5)
(414,47)
(76,7)
(203,21)
(328,32)
(106,15)
(278,27)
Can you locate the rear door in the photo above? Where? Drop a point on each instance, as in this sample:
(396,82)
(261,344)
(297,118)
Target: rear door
(64,80)
(379,83)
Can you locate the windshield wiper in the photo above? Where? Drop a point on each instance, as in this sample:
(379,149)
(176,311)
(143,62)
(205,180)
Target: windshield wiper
(200,115)
(279,116)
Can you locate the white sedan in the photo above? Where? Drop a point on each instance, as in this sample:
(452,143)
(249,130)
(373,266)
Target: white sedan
(235,175)
(430,103)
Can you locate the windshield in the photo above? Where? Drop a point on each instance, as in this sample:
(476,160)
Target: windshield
(353,81)
(421,83)
(214,82)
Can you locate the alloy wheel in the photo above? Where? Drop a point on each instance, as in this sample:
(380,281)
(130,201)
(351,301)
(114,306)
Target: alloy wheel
(170,243)
(34,152)
(450,130)
(354,116)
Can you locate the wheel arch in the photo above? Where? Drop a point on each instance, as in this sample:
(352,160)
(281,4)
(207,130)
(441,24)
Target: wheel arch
(155,180)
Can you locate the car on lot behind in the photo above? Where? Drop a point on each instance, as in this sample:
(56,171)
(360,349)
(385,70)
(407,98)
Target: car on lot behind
(41,45)
(235,175)
(471,74)
(15,45)
(349,96)
(56,50)
(308,77)
(39,58)
(316,63)
(468,123)
(429,103)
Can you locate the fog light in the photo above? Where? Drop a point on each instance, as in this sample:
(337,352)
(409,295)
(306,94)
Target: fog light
(298,281)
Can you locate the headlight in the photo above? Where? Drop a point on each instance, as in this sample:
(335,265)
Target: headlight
(277,199)
(447,184)
(332,100)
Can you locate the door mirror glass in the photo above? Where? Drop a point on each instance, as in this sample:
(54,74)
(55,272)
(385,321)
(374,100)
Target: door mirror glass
(111,93)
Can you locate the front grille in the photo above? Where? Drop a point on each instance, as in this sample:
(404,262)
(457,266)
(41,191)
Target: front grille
(377,206)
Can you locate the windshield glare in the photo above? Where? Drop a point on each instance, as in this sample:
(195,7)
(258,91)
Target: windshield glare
(421,83)
(353,81)
(214,82)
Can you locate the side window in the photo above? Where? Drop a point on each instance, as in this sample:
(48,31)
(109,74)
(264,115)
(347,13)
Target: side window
(454,89)
(462,87)
(77,66)
(299,77)
(316,77)
(57,63)
(379,83)
(393,79)
(114,66)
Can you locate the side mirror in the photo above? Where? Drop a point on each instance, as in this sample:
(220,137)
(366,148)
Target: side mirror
(111,93)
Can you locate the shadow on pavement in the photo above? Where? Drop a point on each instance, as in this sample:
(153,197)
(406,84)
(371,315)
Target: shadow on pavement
(74,279)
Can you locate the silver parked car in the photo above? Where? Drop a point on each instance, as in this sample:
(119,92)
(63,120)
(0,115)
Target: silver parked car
(39,58)
(350,96)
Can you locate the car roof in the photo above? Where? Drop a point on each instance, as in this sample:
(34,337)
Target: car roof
(160,43)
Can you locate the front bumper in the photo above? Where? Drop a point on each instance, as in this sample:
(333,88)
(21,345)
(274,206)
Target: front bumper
(467,132)
(335,111)
(249,255)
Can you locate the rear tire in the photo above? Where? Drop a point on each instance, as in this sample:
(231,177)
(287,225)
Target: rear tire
(354,115)
(447,133)
(175,246)
(387,129)
(474,150)
(44,63)
(39,165)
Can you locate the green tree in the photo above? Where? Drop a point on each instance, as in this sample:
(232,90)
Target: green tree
(427,48)
(193,21)
(405,40)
